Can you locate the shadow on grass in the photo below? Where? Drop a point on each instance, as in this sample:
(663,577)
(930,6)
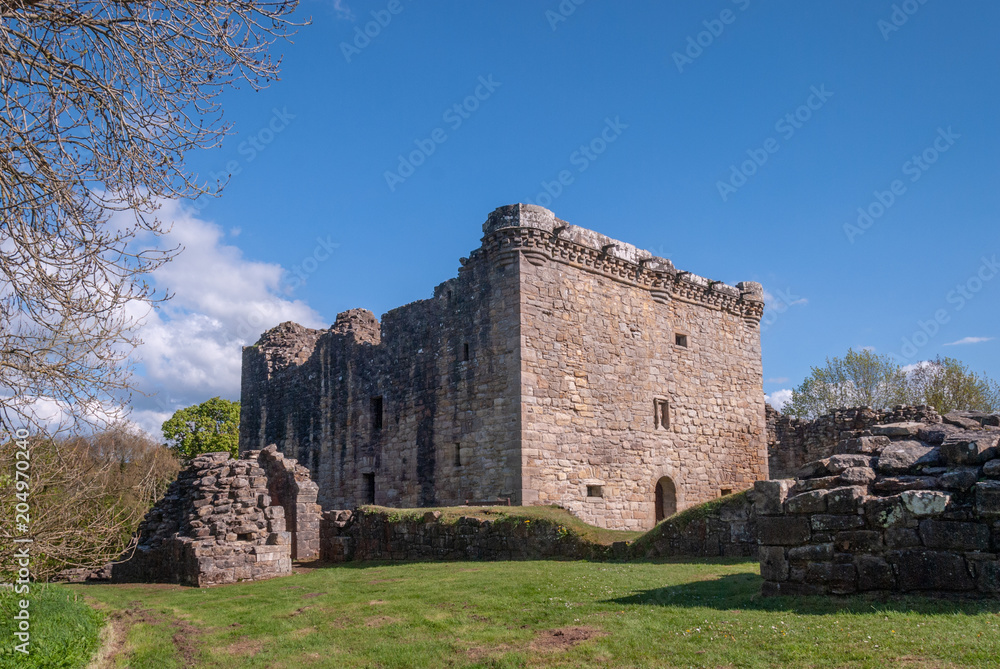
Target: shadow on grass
(742,591)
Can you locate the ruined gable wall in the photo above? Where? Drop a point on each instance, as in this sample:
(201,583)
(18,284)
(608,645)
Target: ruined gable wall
(598,319)
(319,409)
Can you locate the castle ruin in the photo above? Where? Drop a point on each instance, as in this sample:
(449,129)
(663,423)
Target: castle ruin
(559,367)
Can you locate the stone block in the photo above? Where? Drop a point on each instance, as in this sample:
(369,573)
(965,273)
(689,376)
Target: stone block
(906,429)
(923,503)
(987,575)
(843,579)
(822,483)
(807,502)
(856,476)
(874,573)
(827,522)
(769,496)
(930,570)
(954,418)
(988,499)
(953,535)
(959,480)
(862,445)
(833,465)
(991,469)
(901,537)
(900,457)
(845,500)
(819,572)
(970,449)
(782,530)
(811,553)
(890,485)
(858,541)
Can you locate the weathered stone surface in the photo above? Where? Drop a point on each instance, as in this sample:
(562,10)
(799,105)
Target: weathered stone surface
(925,502)
(957,419)
(954,535)
(907,429)
(807,502)
(901,537)
(890,485)
(811,553)
(970,448)
(862,445)
(991,469)
(988,499)
(822,523)
(936,434)
(845,500)
(558,362)
(902,456)
(833,465)
(930,570)
(783,530)
(770,496)
(855,476)
(773,565)
(858,541)
(959,480)
(874,573)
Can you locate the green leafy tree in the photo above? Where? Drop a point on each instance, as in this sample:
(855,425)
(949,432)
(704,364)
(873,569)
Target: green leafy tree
(209,427)
(860,378)
(947,385)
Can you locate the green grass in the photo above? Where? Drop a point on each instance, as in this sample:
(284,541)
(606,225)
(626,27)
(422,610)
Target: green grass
(554,515)
(504,614)
(63,629)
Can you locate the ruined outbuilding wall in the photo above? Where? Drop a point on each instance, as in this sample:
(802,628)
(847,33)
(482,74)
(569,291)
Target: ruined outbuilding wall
(214,525)
(792,442)
(906,507)
(533,375)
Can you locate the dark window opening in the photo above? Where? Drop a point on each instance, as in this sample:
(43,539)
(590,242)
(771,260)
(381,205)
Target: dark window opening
(465,352)
(595,491)
(458,455)
(376,407)
(725,491)
(369,488)
(661,414)
(681,340)
(449,295)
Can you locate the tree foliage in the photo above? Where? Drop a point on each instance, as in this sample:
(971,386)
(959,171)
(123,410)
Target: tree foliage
(865,378)
(85,495)
(101,100)
(209,427)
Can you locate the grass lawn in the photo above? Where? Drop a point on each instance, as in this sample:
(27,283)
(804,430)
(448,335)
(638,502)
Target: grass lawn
(62,629)
(533,614)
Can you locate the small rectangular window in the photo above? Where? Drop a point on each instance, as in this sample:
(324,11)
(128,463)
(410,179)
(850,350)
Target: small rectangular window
(725,491)
(458,455)
(376,409)
(595,491)
(681,339)
(661,414)
(465,352)
(369,488)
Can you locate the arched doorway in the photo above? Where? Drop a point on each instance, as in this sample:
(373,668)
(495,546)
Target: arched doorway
(666,498)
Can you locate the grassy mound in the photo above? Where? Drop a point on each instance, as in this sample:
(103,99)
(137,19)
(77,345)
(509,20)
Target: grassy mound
(64,630)
(554,515)
(679,521)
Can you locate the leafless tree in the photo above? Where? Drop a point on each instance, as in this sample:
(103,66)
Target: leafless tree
(101,100)
(86,497)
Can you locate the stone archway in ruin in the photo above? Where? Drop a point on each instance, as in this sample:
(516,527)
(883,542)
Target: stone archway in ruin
(666,498)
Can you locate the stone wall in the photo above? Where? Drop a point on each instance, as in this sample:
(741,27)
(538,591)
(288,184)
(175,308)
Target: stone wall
(560,365)
(289,485)
(378,534)
(792,442)
(902,507)
(214,525)
(722,528)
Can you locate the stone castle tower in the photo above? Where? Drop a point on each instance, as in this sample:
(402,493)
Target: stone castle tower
(559,367)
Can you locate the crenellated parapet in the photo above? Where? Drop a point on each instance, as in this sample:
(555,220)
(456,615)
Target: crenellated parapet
(536,234)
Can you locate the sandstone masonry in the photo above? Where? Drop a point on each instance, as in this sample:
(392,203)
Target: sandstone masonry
(560,366)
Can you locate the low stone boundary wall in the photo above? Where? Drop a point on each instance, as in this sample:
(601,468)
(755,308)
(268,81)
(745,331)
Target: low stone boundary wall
(726,527)
(906,508)
(386,535)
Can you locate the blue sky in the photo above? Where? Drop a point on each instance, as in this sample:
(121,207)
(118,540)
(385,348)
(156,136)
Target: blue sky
(887,107)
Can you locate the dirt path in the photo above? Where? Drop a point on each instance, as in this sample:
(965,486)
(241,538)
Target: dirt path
(114,635)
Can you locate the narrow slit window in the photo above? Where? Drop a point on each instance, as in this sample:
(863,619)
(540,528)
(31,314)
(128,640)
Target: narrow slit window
(376,409)
(465,352)
(369,488)
(661,414)
(595,491)
(681,339)
(725,491)
(458,455)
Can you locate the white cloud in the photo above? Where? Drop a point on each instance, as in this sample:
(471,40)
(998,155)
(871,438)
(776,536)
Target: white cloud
(222,301)
(777,379)
(969,340)
(779,398)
